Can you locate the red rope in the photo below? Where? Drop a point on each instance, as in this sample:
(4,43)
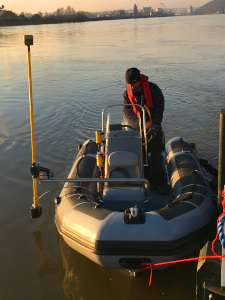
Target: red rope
(150,265)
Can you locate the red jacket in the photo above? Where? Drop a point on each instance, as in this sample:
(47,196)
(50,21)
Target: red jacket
(147,93)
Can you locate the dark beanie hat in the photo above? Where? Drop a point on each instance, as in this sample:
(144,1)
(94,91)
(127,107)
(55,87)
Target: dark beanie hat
(132,75)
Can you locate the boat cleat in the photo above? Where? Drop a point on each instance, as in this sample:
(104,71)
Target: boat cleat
(134,215)
(134,211)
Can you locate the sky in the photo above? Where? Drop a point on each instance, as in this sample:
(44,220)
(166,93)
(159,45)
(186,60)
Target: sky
(93,5)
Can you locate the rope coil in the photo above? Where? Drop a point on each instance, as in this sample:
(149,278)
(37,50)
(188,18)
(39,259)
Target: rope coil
(220,227)
(221,220)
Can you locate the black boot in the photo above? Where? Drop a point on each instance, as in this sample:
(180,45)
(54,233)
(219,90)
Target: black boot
(160,182)
(161,187)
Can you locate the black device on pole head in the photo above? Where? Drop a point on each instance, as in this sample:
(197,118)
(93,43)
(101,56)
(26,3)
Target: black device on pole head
(28,40)
(36,211)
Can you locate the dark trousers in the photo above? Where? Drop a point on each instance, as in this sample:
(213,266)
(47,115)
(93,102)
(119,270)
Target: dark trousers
(155,148)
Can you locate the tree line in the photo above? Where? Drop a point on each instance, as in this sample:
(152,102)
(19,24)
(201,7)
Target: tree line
(68,11)
(61,15)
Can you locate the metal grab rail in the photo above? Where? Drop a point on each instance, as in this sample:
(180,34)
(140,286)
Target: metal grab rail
(121,180)
(144,127)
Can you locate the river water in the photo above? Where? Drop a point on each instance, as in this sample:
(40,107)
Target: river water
(77,69)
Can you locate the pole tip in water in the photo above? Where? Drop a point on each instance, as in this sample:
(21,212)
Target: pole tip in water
(28,40)
(36,211)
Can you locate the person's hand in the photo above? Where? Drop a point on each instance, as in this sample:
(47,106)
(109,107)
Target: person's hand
(148,125)
(152,132)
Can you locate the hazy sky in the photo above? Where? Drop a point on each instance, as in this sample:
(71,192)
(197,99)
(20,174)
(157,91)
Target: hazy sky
(93,5)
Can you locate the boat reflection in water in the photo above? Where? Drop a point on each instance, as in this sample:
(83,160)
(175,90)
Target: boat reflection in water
(80,278)
(83,279)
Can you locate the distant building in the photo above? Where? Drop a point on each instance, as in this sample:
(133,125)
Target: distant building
(190,10)
(147,10)
(135,10)
(159,10)
(120,12)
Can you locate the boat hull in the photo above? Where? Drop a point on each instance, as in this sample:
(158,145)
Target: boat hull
(172,231)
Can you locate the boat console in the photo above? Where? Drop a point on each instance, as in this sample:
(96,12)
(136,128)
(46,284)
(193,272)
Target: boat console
(123,158)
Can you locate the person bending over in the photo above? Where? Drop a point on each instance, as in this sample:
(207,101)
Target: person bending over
(149,95)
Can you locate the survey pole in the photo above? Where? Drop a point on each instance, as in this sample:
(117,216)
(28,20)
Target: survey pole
(36,208)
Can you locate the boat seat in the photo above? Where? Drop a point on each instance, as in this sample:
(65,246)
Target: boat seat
(122,164)
(122,159)
(124,194)
(124,150)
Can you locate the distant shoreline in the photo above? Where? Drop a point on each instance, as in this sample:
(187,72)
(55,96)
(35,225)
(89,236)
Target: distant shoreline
(22,22)
(81,19)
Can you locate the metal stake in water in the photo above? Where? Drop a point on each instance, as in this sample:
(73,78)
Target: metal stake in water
(36,208)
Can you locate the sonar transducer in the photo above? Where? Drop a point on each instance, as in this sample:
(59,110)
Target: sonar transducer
(36,208)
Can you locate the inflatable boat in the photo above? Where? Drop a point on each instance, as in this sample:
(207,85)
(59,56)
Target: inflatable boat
(108,210)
